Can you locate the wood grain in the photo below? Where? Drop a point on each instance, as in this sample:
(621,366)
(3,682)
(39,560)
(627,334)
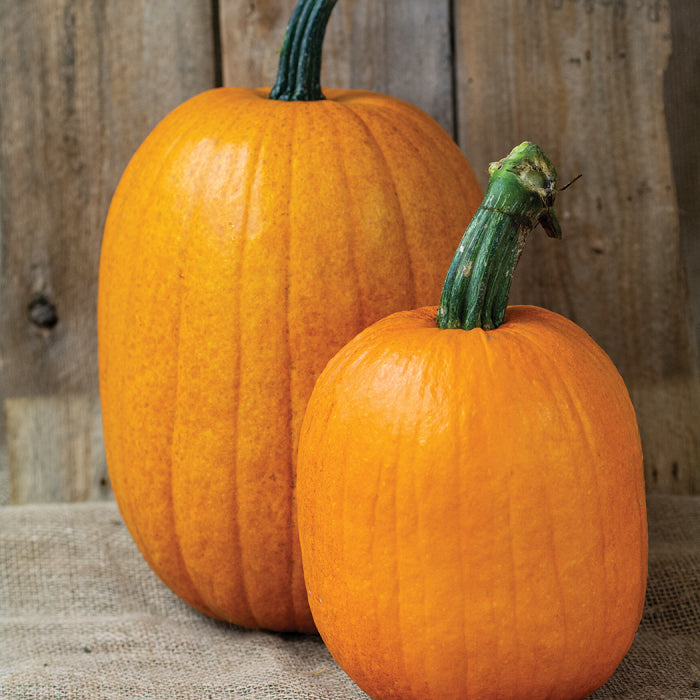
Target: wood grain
(585,81)
(608,88)
(81,84)
(682,107)
(60,438)
(365,47)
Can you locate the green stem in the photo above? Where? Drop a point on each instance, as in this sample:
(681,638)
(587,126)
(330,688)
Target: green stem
(299,72)
(520,195)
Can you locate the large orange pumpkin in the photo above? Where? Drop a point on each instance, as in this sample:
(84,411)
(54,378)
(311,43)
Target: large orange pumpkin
(470,485)
(248,240)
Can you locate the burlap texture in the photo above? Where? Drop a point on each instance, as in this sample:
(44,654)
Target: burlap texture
(82,616)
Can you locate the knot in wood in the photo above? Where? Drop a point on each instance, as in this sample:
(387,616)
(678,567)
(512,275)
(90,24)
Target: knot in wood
(42,312)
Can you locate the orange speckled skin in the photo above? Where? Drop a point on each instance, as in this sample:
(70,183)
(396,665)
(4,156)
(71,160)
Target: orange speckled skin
(248,240)
(471,510)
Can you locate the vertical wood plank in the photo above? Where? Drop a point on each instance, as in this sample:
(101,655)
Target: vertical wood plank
(585,81)
(682,101)
(61,438)
(401,49)
(251,37)
(81,84)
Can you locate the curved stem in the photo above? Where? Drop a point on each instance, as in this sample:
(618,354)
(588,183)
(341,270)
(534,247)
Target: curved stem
(299,71)
(519,196)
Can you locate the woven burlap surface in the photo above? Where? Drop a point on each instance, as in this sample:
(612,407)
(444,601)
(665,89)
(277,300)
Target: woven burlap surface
(82,616)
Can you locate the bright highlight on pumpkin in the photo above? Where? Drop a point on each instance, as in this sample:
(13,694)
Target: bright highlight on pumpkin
(470,486)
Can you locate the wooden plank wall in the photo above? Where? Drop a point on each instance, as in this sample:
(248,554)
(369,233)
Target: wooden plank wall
(81,84)
(608,88)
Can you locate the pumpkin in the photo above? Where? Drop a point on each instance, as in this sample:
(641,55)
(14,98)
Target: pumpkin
(470,486)
(253,233)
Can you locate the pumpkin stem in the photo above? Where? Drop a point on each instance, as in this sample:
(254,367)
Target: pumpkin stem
(520,195)
(299,72)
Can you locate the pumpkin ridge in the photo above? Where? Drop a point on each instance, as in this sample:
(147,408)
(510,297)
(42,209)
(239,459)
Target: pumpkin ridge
(407,115)
(137,244)
(182,264)
(118,481)
(201,605)
(354,227)
(427,364)
(208,606)
(517,645)
(577,417)
(422,138)
(461,518)
(235,417)
(553,370)
(252,173)
(427,131)
(397,559)
(510,653)
(140,243)
(429,358)
(296,573)
(200,179)
(554,565)
(400,206)
(546,508)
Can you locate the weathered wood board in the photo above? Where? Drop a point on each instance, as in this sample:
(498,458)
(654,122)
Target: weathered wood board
(61,438)
(365,48)
(682,107)
(82,82)
(585,81)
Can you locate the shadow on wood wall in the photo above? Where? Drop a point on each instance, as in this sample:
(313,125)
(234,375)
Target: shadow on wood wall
(608,89)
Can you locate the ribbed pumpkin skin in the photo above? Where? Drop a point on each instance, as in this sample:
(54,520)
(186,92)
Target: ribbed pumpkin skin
(247,241)
(471,510)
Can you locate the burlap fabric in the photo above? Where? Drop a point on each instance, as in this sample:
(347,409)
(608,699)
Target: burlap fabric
(82,616)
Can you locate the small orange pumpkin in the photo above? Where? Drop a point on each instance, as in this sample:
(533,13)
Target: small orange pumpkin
(248,240)
(470,485)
